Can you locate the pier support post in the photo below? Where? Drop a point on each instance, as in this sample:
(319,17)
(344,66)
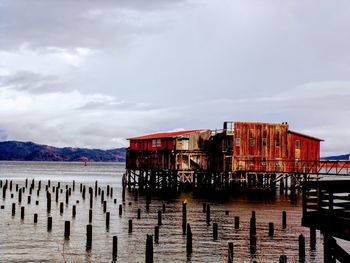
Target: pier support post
(301,248)
(230,252)
(215,231)
(236,222)
(184,217)
(149,249)
(115,247)
(88,236)
(156,234)
(312,238)
(49,223)
(66,229)
(284,220)
(189,241)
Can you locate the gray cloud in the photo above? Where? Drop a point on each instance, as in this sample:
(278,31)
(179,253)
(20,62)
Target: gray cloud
(92,73)
(32,82)
(68,24)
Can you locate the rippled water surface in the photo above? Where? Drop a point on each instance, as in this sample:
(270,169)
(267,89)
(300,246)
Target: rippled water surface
(24,241)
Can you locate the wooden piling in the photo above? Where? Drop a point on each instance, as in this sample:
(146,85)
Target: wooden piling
(208,214)
(91,197)
(139,213)
(149,249)
(189,240)
(29,199)
(49,223)
(104,206)
(283,259)
(230,252)
(236,222)
(130,226)
(67,196)
(301,248)
(271,229)
(90,216)
(57,193)
(13,209)
(74,211)
(107,220)
(252,234)
(88,237)
(20,195)
(156,234)
(120,210)
(102,196)
(83,193)
(163,207)
(22,212)
(159,217)
(284,220)
(96,189)
(312,238)
(61,208)
(115,247)
(66,229)
(184,217)
(35,218)
(215,231)
(111,194)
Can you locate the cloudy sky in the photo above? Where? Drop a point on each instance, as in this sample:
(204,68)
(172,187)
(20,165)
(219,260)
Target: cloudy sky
(92,73)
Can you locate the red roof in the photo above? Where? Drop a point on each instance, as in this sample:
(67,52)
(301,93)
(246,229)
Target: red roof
(304,135)
(164,135)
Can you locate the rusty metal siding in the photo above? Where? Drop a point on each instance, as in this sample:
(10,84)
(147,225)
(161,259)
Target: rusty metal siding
(251,152)
(309,149)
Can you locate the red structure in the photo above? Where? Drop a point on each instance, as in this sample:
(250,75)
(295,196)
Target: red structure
(207,157)
(265,147)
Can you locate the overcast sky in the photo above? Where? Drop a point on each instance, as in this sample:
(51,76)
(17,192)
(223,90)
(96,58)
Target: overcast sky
(92,73)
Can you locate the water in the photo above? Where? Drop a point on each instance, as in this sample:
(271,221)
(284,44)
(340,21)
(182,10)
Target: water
(24,241)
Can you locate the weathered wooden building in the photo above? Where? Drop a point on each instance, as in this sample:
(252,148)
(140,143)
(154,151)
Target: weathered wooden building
(202,157)
(166,158)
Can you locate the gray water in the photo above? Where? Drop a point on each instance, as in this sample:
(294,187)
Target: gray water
(24,241)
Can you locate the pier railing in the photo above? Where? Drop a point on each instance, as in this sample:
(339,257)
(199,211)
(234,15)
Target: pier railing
(259,164)
(326,206)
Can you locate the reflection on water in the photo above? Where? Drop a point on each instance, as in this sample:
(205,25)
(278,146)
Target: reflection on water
(24,241)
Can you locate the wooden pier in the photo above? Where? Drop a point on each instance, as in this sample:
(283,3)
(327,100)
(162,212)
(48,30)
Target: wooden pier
(326,207)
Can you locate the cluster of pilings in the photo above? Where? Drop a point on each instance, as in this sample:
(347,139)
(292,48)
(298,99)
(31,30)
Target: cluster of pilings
(56,190)
(173,181)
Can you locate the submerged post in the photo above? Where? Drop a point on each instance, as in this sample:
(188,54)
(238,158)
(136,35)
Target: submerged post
(284,220)
(184,217)
(230,252)
(301,248)
(88,236)
(189,241)
(66,229)
(115,247)
(149,249)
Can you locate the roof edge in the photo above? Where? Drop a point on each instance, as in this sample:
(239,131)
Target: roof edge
(305,135)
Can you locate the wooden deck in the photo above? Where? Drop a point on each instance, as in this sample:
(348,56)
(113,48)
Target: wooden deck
(326,206)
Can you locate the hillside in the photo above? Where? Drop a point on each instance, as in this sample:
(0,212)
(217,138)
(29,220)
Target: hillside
(29,151)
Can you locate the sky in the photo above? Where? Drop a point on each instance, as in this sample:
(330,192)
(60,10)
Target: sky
(93,73)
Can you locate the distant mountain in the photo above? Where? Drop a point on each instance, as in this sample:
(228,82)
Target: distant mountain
(29,151)
(337,158)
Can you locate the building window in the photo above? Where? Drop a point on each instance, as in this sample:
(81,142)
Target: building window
(238,141)
(264,142)
(156,143)
(278,142)
(297,144)
(251,141)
